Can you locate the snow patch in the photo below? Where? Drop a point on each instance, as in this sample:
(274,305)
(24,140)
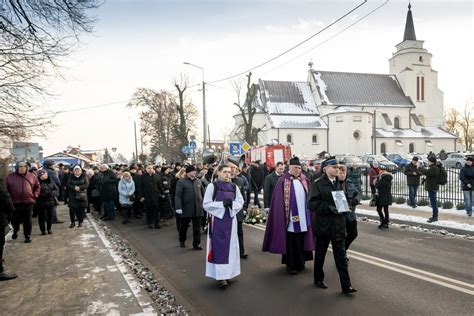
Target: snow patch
(322,87)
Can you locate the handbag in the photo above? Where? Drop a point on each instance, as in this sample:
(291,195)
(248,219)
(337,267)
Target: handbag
(132,198)
(95,193)
(373,201)
(80,196)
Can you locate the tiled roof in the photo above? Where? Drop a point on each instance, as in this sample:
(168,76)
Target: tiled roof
(287,97)
(360,89)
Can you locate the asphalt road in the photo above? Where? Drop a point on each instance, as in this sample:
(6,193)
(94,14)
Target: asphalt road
(397,272)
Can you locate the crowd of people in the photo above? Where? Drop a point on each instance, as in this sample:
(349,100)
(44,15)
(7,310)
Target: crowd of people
(308,207)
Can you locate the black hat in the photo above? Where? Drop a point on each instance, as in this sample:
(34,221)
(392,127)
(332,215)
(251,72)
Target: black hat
(432,159)
(415,158)
(190,168)
(295,161)
(329,162)
(177,164)
(49,163)
(470,158)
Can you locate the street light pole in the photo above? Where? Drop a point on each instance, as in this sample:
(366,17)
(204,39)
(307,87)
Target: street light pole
(204,114)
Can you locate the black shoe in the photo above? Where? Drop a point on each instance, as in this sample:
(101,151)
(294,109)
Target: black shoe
(80,224)
(182,244)
(150,226)
(58,222)
(43,233)
(7,276)
(222,284)
(321,284)
(49,232)
(124,222)
(72,225)
(244,256)
(197,248)
(27,240)
(291,271)
(385,225)
(157,226)
(15,235)
(432,219)
(349,290)
(381,226)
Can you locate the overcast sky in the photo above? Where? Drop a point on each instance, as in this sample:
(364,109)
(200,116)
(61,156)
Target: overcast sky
(144,44)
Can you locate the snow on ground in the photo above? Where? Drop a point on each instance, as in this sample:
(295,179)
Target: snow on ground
(426,208)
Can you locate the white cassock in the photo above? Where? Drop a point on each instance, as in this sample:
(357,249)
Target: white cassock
(215,208)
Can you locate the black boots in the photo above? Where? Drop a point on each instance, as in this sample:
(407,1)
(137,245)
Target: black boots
(5,276)
(432,219)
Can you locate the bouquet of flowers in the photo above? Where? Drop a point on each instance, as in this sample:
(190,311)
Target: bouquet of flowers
(254,216)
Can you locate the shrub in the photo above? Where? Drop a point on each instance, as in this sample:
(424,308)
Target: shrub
(423,202)
(365,197)
(448,204)
(460,206)
(400,200)
(439,203)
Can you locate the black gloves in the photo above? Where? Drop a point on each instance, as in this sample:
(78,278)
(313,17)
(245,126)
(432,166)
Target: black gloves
(227,202)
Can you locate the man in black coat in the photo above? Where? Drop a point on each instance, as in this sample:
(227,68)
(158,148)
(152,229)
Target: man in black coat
(137,205)
(6,210)
(413,181)
(149,192)
(188,203)
(329,226)
(256,181)
(269,186)
(48,165)
(108,191)
(466,175)
(242,184)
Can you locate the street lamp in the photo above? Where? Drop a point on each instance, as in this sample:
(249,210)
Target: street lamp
(204,116)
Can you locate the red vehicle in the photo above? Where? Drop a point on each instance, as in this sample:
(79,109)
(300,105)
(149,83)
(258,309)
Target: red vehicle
(271,154)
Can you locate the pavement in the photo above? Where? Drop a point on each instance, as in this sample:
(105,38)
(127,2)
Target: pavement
(71,272)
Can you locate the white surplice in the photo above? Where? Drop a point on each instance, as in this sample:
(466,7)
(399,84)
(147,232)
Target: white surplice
(231,269)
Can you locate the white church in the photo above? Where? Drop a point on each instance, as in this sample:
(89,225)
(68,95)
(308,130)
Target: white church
(357,113)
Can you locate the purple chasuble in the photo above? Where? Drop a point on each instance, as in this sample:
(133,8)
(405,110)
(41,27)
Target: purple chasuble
(221,229)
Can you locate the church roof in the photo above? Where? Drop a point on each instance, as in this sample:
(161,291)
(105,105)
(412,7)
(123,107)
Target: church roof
(286,97)
(297,121)
(426,132)
(409,27)
(360,89)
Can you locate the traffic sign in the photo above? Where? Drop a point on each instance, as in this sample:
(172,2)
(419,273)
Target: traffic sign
(192,145)
(185,150)
(235,148)
(245,146)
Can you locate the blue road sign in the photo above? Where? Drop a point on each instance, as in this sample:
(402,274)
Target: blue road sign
(235,148)
(192,145)
(185,150)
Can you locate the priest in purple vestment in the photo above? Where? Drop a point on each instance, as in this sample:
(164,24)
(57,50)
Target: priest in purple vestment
(288,231)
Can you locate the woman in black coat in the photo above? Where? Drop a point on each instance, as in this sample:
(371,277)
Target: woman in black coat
(166,208)
(77,185)
(46,201)
(383,185)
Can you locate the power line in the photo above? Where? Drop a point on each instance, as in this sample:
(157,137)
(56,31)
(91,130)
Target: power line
(90,107)
(293,47)
(330,38)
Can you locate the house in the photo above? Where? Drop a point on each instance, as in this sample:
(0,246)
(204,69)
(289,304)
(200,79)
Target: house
(358,113)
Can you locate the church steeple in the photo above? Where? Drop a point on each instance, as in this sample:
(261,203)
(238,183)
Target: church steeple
(409,27)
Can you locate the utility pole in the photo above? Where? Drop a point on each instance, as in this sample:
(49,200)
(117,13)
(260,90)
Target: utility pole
(136,144)
(374,137)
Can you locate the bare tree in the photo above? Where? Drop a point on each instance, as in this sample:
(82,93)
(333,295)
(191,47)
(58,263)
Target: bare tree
(247,110)
(35,37)
(452,117)
(466,126)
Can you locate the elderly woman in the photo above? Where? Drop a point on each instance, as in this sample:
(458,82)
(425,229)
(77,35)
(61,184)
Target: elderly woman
(383,185)
(77,185)
(46,201)
(126,189)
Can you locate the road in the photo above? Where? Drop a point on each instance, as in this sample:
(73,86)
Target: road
(397,272)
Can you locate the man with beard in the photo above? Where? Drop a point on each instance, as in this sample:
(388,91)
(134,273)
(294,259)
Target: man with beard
(329,226)
(222,201)
(149,192)
(288,231)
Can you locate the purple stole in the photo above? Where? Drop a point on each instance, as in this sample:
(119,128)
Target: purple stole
(290,201)
(220,230)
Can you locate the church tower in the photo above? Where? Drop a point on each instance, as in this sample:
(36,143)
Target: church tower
(411,63)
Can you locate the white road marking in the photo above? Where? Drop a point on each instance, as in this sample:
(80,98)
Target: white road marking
(393,266)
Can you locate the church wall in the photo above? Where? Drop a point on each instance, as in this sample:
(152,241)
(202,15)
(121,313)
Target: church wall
(420,145)
(302,140)
(342,129)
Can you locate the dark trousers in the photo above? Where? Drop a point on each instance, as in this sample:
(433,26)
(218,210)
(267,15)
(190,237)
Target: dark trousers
(183,229)
(240,234)
(77,213)
(178,221)
(256,200)
(412,190)
(433,202)
(96,203)
(384,217)
(137,208)
(45,216)
(3,226)
(22,214)
(109,209)
(152,215)
(339,252)
(351,228)
(126,212)
(372,189)
(295,256)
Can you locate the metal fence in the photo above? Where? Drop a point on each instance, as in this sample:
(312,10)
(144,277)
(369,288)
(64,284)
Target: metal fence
(451,191)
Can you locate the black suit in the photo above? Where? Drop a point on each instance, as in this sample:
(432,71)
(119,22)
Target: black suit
(328,227)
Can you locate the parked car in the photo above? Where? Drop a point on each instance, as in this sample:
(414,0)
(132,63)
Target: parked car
(354,162)
(382,161)
(401,160)
(454,160)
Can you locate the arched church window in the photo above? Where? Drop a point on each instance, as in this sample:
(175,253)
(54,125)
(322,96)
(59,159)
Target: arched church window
(411,147)
(314,139)
(383,148)
(396,122)
(289,139)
